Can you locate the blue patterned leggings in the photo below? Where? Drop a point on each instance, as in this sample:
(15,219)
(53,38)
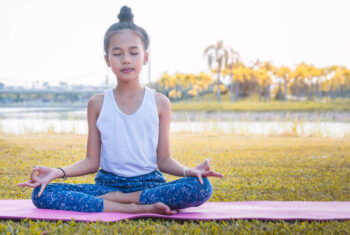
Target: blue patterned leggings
(178,194)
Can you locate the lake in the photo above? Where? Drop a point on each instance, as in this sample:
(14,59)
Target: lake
(62,119)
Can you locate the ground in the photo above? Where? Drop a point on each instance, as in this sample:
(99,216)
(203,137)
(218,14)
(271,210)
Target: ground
(255,168)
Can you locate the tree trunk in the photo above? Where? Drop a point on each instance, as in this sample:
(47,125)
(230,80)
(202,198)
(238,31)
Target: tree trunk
(331,92)
(250,89)
(280,95)
(231,88)
(218,85)
(341,91)
(285,90)
(317,90)
(297,90)
(311,92)
(231,92)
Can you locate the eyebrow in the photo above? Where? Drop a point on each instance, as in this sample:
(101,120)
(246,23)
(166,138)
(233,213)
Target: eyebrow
(118,48)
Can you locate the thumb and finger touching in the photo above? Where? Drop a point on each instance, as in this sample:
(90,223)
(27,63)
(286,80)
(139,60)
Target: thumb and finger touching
(207,165)
(33,180)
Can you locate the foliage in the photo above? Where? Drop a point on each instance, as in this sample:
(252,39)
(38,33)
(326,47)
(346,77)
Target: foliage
(302,82)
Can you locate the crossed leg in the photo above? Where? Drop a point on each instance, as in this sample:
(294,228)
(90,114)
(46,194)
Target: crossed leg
(117,201)
(118,196)
(85,198)
(165,198)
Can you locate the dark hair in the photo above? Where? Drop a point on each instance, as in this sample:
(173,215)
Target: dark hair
(126,21)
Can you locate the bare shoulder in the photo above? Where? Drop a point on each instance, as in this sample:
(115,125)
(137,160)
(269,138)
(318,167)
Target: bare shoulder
(95,103)
(163,103)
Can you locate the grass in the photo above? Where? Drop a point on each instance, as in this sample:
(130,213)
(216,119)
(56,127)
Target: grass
(208,103)
(255,168)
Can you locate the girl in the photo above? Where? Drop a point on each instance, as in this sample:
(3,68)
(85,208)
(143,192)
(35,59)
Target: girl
(128,137)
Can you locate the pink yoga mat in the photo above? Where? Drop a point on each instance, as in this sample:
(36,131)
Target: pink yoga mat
(263,210)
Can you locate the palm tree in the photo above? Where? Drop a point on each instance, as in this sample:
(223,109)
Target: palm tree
(219,53)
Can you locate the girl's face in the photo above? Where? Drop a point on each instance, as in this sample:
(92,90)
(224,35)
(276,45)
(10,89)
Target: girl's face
(126,55)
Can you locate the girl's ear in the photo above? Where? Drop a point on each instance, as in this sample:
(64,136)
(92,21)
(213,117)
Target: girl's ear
(145,61)
(107,61)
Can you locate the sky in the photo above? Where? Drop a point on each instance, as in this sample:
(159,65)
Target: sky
(62,40)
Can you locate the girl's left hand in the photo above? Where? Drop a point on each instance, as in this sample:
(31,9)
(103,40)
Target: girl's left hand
(202,170)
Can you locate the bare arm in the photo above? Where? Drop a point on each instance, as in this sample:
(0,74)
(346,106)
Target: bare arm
(90,164)
(165,162)
(42,175)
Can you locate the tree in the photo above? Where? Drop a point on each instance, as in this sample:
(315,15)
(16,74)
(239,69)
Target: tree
(234,63)
(220,54)
(299,74)
(264,81)
(315,74)
(284,74)
(251,76)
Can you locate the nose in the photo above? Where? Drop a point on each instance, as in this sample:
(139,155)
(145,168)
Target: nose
(126,59)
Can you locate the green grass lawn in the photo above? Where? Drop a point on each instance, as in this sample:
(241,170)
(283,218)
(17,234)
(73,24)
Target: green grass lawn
(208,103)
(255,168)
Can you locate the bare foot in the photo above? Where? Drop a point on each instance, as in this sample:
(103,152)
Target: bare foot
(160,208)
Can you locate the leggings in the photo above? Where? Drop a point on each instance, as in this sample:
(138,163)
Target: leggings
(182,193)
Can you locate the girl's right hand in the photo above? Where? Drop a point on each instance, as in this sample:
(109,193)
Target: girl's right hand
(41,175)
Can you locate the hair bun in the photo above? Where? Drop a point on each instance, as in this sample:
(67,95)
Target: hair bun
(125,15)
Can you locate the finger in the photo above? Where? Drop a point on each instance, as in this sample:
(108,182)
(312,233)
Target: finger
(206,173)
(22,184)
(25,183)
(29,184)
(207,165)
(33,172)
(212,173)
(200,179)
(33,175)
(42,189)
(34,185)
(215,174)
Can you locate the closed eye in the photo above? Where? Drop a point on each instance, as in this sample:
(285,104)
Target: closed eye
(131,54)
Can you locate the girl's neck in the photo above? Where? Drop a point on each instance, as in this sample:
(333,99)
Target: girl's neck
(128,89)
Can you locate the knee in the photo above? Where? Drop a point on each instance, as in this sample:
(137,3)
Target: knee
(203,191)
(206,188)
(39,202)
(35,196)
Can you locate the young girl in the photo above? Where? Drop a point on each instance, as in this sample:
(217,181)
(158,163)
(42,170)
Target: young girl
(128,137)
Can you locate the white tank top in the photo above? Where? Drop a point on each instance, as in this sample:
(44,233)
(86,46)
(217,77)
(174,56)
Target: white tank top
(129,142)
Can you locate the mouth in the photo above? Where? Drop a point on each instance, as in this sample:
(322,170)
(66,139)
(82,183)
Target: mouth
(126,70)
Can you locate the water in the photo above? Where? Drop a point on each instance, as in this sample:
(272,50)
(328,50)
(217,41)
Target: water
(25,120)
